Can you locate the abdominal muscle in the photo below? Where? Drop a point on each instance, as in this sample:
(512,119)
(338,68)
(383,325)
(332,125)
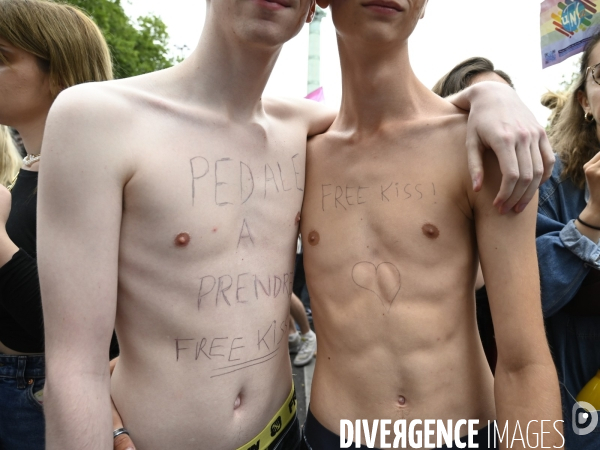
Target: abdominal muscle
(418,363)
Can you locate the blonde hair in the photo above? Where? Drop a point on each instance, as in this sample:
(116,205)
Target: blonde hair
(574,139)
(555,102)
(10,160)
(69,45)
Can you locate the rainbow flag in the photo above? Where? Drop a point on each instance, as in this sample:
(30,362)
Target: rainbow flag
(566,26)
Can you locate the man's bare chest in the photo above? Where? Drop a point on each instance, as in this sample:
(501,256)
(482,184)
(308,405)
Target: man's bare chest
(396,203)
(224,188)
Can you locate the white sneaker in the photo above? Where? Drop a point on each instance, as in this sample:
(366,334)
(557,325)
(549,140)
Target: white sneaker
(295,343)
(308,350)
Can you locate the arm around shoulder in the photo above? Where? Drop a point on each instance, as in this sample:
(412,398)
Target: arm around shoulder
(317,116)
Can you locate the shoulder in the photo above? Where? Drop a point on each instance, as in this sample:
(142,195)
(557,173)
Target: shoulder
(92,124)
(440,119)
(87,111)
(316,116)
(287,108)
(97,102)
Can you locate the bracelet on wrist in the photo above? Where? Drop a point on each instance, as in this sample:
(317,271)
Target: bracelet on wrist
(587,224)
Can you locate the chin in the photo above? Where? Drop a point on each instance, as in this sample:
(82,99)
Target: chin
(267,34)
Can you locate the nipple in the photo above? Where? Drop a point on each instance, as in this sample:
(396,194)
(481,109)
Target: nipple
(298,218)
(431,231)
(313,238)
(182,239)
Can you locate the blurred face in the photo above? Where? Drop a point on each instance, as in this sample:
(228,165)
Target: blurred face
(24,87)
(383,21)
(590,99)
(262,22)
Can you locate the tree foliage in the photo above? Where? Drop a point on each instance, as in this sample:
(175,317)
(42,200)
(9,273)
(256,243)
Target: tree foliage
(137,47)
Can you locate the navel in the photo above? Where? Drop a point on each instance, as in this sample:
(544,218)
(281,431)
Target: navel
(313,238)
(431,231)
(238,402)
(182,239)
(402,400)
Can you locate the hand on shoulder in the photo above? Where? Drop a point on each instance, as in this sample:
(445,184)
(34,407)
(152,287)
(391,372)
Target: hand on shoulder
(500,121)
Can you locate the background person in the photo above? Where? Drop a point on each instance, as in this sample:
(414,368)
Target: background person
(303,343)
(44,48)
(568,232)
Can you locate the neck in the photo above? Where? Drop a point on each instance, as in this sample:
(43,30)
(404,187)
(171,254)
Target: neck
(229,76)
(32,134)
(378,86)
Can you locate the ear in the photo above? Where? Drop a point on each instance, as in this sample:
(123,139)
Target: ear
(424,8)
(311,11)
(582,98)
(323,3)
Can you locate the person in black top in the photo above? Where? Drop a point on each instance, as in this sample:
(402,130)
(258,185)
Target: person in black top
(45,47)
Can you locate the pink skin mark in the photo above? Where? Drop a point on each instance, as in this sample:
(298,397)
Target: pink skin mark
(182,240)
(214,230)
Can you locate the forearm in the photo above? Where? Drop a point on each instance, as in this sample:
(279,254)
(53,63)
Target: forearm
(525,396)
(78,411)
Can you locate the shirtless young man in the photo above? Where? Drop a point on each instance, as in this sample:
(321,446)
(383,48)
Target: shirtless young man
(391,230)
(178,194)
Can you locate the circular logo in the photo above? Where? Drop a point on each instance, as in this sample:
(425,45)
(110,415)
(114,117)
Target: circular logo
(572,15)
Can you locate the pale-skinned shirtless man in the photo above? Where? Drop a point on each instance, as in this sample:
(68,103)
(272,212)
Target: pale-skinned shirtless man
(178,194)
(391,231)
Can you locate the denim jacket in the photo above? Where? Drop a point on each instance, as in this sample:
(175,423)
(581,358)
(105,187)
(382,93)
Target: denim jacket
(565,259)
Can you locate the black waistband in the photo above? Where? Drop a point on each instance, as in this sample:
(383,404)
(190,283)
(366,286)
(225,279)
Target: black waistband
(317,437)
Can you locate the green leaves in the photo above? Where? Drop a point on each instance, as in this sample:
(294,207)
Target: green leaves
(137,47)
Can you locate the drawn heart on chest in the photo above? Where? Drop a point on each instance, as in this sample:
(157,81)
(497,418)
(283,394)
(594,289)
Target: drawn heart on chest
(383,280)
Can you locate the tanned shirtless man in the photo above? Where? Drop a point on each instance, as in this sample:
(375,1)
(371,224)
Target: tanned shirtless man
(391,230)
(178,193)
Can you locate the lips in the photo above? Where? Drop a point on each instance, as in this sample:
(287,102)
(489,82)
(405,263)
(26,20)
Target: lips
(384,4)
(284,3)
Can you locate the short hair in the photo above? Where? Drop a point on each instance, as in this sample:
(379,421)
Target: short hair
(10,160)
(68,44)
(461,76)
